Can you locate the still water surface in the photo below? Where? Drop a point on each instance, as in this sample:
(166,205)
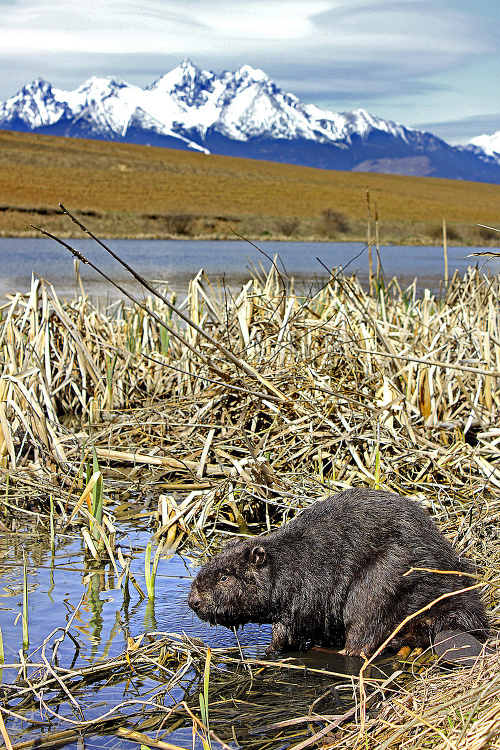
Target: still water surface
(56,582)
(177,261)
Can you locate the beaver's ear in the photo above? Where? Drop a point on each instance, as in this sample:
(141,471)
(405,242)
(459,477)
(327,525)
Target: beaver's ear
(258,556)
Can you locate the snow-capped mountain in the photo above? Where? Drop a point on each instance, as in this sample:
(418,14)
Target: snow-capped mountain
(240,114)
(490,144)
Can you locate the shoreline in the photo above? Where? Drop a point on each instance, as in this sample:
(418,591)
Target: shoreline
(252,237)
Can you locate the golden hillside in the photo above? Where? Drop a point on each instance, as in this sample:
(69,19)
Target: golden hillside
(131,191)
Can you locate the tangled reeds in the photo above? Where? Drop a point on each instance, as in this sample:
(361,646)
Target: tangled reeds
(385,389)
(251,701)
(245,693)
(457,710)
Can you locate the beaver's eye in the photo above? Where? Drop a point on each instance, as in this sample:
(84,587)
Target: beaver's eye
(223,578)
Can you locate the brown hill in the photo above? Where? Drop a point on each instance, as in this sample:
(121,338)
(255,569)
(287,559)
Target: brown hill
(135,191)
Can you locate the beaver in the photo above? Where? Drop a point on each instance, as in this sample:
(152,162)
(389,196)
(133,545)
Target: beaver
(335,576)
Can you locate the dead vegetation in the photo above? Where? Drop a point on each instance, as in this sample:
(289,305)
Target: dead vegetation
(457,710)
(366,387)
(235,407)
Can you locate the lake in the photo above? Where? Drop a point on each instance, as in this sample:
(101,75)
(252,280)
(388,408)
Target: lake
(177,261)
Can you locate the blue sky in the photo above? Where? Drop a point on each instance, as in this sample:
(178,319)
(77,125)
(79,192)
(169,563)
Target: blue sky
(431,63)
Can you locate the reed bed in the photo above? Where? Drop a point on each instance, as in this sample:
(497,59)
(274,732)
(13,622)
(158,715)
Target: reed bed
(225,413)
(384,389)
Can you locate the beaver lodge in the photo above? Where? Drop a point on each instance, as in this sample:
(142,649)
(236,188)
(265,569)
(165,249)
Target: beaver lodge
(220,415)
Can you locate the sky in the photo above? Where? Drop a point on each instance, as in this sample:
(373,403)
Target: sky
(432,64)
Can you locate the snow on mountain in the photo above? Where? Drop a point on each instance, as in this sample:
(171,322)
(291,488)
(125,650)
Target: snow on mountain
(36,105)
(490,144)
(111,105)
(241,105)
(242,113)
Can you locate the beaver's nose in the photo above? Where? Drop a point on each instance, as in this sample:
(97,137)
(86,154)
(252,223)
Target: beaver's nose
(194,600)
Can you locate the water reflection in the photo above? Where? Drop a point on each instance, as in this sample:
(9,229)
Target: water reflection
(108,615)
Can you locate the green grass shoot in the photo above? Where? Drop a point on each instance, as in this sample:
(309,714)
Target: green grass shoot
(52,531)
(97,498)
(26,642)
(207,743)
(150,570)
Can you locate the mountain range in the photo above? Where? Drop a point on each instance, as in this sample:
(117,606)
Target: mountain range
(243,113)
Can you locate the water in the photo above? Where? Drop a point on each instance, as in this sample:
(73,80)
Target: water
(177,261)
(105,619)
(57,580)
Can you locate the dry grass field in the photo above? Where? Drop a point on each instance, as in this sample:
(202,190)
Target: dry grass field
(123,190)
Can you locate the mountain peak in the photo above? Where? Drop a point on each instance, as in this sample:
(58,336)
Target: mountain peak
(189,66)
(97,84)
(243,113)
(36,85)
(254,74)
(184,82)
(35,106)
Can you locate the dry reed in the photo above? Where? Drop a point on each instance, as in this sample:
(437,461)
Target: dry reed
(385,389)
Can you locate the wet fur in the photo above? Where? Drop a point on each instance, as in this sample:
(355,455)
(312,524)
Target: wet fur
(334,576)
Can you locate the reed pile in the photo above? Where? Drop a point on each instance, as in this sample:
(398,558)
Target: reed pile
(243,692)
(384,389)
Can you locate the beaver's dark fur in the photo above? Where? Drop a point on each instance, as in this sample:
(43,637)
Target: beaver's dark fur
(335,576)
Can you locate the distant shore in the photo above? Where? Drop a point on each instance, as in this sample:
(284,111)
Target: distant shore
(402,239)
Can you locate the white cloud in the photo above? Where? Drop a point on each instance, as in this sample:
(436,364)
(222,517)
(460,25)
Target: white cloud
(406,59)
(118,26)
(353,28)
(262,19)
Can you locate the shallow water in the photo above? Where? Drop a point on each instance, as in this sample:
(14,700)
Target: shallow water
(57,581)
(177,261)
